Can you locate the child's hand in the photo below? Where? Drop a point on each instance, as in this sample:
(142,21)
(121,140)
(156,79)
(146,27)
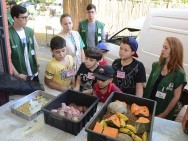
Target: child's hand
(88,91)
(76,89)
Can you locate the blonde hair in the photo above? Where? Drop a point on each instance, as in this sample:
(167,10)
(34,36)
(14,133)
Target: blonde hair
(176,54)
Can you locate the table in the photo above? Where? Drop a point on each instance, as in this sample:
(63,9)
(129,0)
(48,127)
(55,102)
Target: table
(14,128)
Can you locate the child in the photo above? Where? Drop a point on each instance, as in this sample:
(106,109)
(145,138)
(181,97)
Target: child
(129,73)
(85,79)
(59,73)
(104,86)
(104,50)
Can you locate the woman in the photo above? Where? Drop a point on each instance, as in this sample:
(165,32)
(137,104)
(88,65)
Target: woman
(73,40)
(167,78)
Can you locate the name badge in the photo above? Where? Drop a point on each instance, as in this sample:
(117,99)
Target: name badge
(90,75)
(160,95)
(32,52)
(120,74)
(70,73)
(99,38)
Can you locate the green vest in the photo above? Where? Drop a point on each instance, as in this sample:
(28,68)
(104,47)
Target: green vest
(17,50)
(167,85)
(83,30)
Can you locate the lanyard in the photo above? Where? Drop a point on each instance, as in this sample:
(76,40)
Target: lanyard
(73,41)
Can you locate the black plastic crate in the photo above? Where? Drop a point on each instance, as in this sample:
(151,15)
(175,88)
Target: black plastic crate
(4,98)
(129,99)
(67,125)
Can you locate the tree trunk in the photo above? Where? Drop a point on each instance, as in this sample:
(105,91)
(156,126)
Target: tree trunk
(77,10)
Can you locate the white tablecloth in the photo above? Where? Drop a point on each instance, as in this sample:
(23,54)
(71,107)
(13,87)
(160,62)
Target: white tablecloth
(14,128)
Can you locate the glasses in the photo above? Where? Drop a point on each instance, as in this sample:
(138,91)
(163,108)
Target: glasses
(24,18)
(90,12)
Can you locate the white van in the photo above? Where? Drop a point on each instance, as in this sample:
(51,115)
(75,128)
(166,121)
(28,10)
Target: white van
(159,24)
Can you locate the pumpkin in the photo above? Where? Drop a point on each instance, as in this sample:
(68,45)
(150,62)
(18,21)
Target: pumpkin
(125,104)
(117,106)
(113,121)
(124,137)
(109,131)
(98,128)
(139,110)
(134,108)
(143,111)
(142,125)
(145,136)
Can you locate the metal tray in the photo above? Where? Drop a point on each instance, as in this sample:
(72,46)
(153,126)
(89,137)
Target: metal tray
(26,99)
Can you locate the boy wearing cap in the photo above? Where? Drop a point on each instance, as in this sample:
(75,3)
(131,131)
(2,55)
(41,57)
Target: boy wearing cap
(129,73)
(104,86)
(104,50)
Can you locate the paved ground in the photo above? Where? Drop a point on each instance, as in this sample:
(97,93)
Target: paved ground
(44,27)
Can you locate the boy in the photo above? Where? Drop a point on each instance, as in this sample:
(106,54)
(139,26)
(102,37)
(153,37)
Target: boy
(85,79)
(104,50)
(129,73)
(23,44)
(91,30)
(59,73)
(104,86)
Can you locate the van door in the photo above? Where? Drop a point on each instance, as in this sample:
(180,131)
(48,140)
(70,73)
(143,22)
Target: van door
(159,24)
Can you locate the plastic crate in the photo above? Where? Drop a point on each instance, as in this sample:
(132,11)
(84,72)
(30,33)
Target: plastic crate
(129,99)
(65,124)
(4,98)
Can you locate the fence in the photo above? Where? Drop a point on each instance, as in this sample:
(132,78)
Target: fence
(116,14)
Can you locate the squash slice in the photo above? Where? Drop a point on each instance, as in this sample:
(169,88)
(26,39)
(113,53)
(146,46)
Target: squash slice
(113,121)
(98,128)
(109,131)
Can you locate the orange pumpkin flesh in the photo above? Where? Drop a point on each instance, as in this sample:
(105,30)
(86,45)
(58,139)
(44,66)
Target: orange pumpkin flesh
(109,131)
(139,110)
(98,128)
(113,121)
(142,125)
(143,120)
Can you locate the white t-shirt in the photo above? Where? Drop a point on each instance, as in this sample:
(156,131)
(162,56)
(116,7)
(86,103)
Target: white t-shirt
(26,56)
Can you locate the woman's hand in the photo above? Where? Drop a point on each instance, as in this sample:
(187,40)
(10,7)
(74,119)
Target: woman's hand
(21,76)
(161,115)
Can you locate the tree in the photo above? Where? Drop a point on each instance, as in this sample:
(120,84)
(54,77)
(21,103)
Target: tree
(77,10)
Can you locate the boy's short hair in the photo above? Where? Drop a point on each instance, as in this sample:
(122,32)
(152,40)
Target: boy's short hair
(132,43)
(94,52)
(57,42)
(16,10)
(91,6)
